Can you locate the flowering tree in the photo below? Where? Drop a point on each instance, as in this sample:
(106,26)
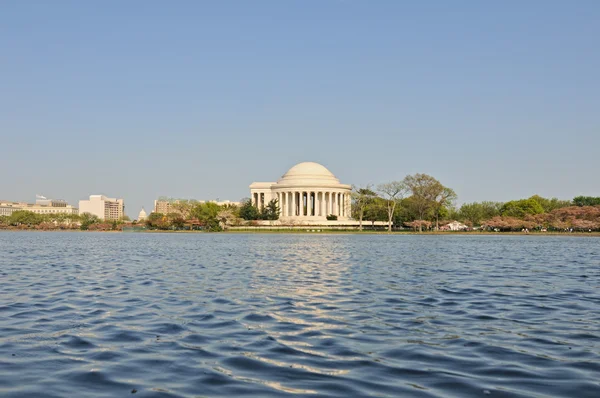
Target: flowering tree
(420,224)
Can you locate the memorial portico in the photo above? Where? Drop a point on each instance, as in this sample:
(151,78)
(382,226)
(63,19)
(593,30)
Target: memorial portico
(307,192)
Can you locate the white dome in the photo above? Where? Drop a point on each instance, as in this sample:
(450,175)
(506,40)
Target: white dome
(308,173)
(142,214)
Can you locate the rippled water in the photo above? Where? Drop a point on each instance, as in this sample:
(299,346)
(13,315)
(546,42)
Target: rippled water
(174,315)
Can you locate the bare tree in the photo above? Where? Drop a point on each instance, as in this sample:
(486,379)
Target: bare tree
(392,192)
(362,198)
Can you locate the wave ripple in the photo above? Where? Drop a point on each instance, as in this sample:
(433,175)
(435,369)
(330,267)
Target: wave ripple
(169,315)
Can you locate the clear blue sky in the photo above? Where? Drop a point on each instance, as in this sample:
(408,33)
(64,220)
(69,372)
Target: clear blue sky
(136,99)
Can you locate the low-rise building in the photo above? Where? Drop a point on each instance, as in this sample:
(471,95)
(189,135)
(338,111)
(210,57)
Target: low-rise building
(454,226)
(41,206)
(8,208)
(105,208)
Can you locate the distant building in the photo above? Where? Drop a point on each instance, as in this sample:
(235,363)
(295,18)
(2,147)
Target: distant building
(165,206)
(8,208)
(454,226)
(104,208)
(41,206)
(142,216)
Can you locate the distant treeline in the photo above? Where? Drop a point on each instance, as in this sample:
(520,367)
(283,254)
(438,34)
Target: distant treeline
(24,219)
(422,208)
(190,215)
(419,202)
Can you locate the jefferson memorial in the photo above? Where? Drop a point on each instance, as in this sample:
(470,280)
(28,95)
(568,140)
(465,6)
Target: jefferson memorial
(307,193)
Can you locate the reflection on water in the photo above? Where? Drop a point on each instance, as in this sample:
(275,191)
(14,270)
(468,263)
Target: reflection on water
(100,315)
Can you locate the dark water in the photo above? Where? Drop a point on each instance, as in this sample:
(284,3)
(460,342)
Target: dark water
(102,315)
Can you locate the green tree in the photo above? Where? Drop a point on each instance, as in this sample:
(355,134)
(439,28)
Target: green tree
(88,219)
(271,210)
(156,221)
(477,212)
(586,201)
(175,220)
(521,208)
(249,211)
(471,213)
(377,210)
(207,213)
(362,198)
(425,189)
(551,204)
(24,217)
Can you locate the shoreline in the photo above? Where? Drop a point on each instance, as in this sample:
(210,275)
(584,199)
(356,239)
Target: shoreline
(327,232)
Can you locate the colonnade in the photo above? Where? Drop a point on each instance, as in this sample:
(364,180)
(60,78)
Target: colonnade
(314,203)
(258,200)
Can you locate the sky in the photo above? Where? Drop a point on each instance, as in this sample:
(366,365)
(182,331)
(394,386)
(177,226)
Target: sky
(198,99)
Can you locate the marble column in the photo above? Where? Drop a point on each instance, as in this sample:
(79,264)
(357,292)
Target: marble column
(320,204)
(346,203)
(349,207)
(307,211)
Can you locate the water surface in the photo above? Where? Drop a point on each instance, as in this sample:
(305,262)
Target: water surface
(195,315)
